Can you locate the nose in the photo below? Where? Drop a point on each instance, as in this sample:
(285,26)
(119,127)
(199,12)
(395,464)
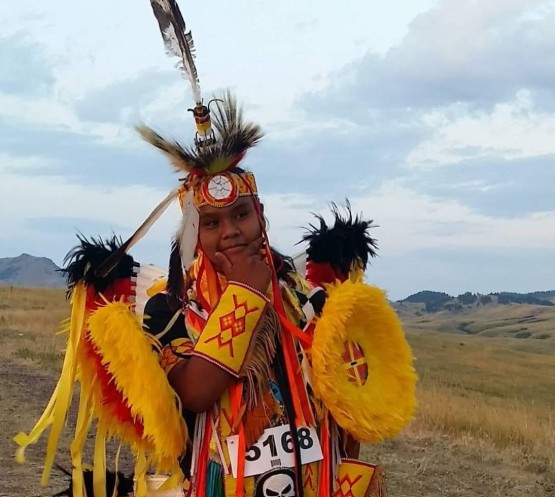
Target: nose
(229,229)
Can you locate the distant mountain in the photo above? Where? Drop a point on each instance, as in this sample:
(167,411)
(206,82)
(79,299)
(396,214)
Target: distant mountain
(30,271)
(430,302)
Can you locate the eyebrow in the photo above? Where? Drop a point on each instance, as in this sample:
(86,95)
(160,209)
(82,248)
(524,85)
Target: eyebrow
(240,204)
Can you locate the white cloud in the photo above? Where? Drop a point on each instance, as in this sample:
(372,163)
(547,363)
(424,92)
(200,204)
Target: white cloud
(32,198)
(479,53)
(23,164)
(287,214)
(411,221)
(512,130)
(46,112)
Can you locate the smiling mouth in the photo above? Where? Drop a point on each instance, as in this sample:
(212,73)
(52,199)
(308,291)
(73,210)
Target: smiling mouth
(233,248)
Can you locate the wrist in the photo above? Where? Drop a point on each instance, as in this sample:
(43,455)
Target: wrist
(251,288)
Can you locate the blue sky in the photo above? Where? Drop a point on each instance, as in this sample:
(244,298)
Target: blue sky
(435,118)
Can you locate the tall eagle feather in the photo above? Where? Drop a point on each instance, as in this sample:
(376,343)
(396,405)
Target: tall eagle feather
(178,41)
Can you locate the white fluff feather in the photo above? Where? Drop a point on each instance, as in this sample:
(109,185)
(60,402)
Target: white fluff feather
(188,231)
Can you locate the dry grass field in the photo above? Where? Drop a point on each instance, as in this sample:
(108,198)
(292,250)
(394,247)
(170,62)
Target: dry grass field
(485,424)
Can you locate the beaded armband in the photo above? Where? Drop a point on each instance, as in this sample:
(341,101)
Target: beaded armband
(229,333)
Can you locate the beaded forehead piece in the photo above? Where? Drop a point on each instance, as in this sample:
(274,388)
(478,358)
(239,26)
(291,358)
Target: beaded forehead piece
(221,190)
(221,141)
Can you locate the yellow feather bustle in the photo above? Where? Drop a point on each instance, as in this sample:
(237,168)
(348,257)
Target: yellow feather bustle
(127,357)
(383,403)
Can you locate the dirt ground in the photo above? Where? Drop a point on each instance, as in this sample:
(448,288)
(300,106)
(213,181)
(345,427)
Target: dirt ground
(417,465)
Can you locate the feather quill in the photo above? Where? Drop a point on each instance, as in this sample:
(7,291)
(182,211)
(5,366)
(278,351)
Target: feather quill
(112,261)
(178,41)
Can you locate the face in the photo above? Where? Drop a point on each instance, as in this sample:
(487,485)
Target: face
(228,229)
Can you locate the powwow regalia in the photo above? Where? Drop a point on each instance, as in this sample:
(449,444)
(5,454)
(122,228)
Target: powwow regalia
(316,364)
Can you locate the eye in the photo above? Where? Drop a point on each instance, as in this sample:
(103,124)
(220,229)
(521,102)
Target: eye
(242,214)
(210,223)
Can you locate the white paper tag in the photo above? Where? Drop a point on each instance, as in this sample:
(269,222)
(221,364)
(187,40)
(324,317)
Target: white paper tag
(275,449)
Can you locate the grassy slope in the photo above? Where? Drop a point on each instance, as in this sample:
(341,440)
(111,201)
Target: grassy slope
(512,321)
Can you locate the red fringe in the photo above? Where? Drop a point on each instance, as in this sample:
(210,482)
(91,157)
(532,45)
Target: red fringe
(324,480)
(203,459)
(236,400)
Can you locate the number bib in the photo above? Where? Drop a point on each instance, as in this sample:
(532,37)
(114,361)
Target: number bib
(275,449)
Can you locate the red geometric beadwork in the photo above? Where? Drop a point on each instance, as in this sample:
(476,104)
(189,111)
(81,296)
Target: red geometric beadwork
(355,363)
(232,325)
(346,486)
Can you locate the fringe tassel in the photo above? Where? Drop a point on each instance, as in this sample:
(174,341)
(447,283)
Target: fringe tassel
(214,480)
(288,403)
(197,445)
(324,480)
(56,412)
(334,447)
(141,467)
(237,406)
(99,468)
(82,425)
(378,485)
(258,369)
(257,420)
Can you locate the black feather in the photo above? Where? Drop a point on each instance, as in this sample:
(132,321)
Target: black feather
(175,287)
(178,41)
(82,261)
(124,483)
(345,244)
(234,137)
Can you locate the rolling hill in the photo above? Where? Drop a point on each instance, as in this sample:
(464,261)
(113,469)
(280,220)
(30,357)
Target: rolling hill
(504,314)
(30,271)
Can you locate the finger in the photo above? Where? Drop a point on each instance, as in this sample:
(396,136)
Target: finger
(224,262)
(254,246)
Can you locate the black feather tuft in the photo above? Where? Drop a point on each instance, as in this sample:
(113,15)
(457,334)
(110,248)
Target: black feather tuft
(82,261)
(124,483)
(345,244)
(175,287)
(234,137)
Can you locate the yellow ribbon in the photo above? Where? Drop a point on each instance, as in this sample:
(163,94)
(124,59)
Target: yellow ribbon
(56,410)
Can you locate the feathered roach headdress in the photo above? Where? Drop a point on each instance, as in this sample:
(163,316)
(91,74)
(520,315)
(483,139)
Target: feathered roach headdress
(210,165)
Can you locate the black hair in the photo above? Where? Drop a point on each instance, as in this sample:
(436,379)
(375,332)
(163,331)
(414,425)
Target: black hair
(283,264)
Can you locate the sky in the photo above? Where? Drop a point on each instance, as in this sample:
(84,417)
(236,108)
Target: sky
(435,118)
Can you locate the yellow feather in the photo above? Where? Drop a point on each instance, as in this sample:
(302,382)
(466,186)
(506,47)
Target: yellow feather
(382,405)
(127,353)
